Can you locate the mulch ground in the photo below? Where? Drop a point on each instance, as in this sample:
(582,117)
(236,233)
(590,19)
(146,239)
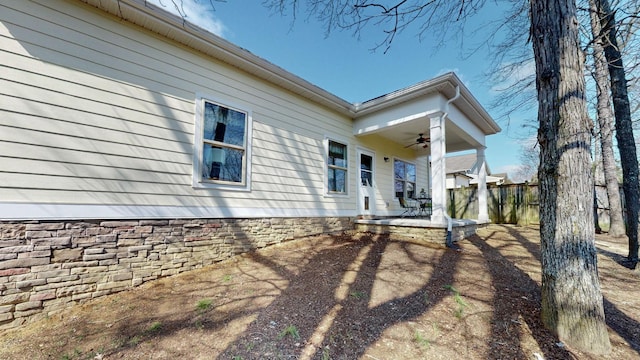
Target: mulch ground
(348,296)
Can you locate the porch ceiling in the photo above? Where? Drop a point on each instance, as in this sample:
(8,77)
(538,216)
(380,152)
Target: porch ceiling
(406,133)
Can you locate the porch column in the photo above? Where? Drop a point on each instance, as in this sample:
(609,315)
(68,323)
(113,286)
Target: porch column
(483,212)
(438,170)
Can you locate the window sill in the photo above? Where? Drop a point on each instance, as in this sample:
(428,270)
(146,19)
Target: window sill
(220,186)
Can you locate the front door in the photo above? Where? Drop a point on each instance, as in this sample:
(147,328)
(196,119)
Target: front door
(366,192)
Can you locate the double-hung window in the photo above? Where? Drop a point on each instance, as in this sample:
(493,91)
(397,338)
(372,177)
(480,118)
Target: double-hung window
(404,179)
(336,167)
(222,134)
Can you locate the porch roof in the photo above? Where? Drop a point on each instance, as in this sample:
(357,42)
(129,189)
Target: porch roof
(444,85)
(402,115)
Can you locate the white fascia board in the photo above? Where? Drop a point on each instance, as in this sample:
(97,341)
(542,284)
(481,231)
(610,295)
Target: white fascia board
(383,118)
(401,95)
(488,125)
(459,175)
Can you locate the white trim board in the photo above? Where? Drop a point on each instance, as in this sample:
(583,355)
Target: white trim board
(43,211)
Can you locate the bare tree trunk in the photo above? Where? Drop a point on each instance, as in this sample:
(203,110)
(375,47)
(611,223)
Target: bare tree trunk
(571,297)
(605,122)
(624,128)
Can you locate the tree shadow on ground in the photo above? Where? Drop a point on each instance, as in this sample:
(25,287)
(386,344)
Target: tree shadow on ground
(341,297)
(619,259)
(516,306)
(381,317)
(335,319)
(173,308)
(623,325)
(616,320)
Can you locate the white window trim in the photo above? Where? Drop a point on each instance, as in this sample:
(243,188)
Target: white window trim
(393,175)
(197,181)
(359,151)
(326,191)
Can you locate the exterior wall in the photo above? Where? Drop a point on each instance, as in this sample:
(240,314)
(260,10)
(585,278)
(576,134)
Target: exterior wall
(47,266)
(100,123)
(456,182)
(472,133)
(98,120)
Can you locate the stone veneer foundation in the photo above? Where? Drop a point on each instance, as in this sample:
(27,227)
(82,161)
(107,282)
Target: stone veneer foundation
(45,266)
(419,231)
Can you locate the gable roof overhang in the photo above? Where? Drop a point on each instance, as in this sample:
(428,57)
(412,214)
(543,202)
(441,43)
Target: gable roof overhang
(470,123)
(403,114)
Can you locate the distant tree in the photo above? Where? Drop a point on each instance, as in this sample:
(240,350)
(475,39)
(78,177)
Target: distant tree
(529,161)
(605,119)
(624,126)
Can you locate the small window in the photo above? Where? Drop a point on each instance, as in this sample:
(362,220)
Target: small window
(366,170)
(336,168)
(404,179)
(223,150)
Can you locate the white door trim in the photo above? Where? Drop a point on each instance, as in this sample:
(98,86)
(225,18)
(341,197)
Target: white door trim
(366,193)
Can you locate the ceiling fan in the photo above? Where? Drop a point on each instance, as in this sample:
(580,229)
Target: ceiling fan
(421,140)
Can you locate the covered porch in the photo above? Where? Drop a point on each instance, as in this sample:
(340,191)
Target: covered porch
(430,119)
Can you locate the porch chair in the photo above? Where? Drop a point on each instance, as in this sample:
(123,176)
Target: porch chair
(410,208)
(426,207)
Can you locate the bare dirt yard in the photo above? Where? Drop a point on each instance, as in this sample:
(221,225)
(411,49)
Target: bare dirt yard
(348,296)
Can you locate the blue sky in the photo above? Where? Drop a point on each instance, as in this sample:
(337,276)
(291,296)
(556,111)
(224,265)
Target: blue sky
(346,66)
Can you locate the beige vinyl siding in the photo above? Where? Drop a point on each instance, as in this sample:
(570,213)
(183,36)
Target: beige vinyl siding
(87,171)
(95,111)
(52,155)
(40,87)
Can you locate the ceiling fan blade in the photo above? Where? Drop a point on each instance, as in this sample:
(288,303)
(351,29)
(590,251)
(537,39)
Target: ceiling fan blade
(420,140)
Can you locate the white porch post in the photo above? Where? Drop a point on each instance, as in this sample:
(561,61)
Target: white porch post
(438,174)
(483,212)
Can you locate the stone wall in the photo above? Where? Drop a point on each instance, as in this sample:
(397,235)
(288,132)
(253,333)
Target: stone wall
(425,235)
(47,266)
